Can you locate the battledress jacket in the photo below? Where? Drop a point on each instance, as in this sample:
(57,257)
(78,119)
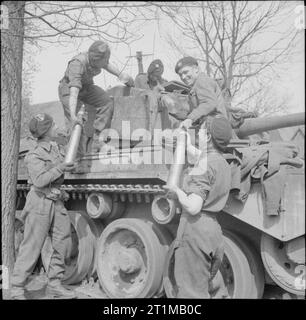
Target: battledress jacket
(204,95)
(79,73)
(211,180)
(45,176)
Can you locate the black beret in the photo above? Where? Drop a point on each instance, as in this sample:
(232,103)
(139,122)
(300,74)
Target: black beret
(99,49)
(220,130)
(40,124)
(156,67)
(186,61)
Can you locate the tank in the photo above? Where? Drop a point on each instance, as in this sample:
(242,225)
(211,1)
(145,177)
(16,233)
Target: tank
(123,225)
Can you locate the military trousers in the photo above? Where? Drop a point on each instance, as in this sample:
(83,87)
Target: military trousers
(42,217)
(98,104)
(198,256)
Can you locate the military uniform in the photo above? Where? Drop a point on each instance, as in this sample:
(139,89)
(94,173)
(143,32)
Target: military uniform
(80,73)
(43,213)
(200,250)
(204,94)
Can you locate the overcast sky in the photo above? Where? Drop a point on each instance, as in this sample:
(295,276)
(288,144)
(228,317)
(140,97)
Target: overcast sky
(52,62)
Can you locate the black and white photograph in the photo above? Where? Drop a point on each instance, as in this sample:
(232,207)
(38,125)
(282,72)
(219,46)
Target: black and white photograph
(153,152)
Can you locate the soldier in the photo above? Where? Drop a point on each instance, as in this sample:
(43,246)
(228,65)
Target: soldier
(77,87)
(205,95)
(199,245)
(152,80)
(44,211)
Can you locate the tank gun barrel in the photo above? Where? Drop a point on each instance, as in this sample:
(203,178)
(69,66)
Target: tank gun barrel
(257,125)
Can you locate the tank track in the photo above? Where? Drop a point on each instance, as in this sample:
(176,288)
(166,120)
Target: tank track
(121,192)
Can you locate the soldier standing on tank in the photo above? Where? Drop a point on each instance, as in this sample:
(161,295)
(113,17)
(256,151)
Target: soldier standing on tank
(153,80)
(205,96)
(199,245)
(77,88)
(44,212)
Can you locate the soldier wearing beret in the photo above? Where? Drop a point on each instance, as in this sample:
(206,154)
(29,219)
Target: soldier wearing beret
(44,212)
(205,94)
(199,246)
(77,88)
(152,80)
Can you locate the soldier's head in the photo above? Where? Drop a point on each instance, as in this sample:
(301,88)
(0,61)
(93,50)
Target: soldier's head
(188,70)
(42,125)
(99,54)
(155,70)
(218,132)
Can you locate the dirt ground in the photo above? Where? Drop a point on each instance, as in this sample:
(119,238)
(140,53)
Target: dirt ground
(36,289)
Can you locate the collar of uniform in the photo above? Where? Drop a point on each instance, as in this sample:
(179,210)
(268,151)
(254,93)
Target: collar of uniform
(47,145)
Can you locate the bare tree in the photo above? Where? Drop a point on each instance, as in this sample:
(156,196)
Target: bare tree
(266,101)
(227,37)
(11,68)
(62,21)
(29,68)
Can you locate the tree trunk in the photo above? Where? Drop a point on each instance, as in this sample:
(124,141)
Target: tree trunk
(11,83)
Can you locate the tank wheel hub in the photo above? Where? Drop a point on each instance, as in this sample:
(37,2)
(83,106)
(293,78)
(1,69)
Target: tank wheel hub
(129,260)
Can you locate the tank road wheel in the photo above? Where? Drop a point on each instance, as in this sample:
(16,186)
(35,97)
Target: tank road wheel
(81,252)
(96,227)
(257,275)
(130,259)
(241,268)
(235,273)
(285,262)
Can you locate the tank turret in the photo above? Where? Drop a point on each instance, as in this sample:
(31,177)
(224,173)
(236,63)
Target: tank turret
(258,125)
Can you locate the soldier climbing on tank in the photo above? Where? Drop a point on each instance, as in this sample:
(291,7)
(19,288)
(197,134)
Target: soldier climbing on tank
(77,88)
(205,96)
(44,212)
(199,245)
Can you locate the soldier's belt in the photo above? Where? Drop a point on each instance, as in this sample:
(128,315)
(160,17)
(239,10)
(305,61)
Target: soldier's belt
(51,193)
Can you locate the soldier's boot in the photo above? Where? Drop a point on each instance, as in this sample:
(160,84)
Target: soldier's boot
(56,290)
(17,293)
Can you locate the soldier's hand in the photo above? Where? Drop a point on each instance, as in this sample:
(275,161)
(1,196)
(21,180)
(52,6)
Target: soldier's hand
(126,79)
(171,191)
(66,167)
(186,124)
(75,120)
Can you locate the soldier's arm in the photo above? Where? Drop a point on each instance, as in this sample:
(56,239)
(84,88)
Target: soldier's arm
(112,69)
(208,102)
(194,195)
(75,72)
(123,77)
(73,101)
(192,203)
(40,175)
